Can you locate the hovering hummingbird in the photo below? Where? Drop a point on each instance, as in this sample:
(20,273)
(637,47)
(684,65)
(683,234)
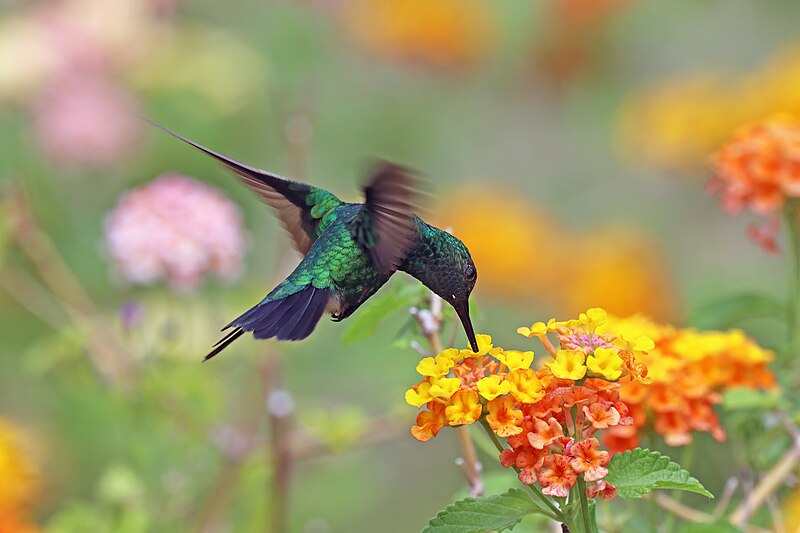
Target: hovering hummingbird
(350,250)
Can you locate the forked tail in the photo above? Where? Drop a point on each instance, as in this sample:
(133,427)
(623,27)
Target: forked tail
(293,317)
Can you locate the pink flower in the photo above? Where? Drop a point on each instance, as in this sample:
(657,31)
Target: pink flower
(86,121)
(175,228)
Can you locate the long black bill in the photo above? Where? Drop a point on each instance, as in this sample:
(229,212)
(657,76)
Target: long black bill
(462,310)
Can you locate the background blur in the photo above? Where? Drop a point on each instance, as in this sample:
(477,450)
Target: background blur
(566,142)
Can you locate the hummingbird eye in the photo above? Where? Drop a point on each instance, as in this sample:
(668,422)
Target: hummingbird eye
(471,273)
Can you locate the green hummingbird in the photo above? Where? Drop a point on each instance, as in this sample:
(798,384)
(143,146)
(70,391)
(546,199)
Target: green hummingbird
(350,250)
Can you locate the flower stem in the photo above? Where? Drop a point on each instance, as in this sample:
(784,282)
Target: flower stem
(554,512)
(587,521)
(792,224)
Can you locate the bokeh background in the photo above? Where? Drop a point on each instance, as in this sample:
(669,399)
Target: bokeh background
(565,141)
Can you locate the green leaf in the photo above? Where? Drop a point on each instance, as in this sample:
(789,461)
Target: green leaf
(637,472)
(378,308)
(488,513)
(742,398)
(731,310)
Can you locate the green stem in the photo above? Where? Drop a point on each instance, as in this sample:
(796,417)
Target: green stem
(587,521)
(794,280)
(578,436)
(554,512)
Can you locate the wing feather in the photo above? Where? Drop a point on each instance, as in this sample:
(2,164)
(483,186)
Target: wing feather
(293,201)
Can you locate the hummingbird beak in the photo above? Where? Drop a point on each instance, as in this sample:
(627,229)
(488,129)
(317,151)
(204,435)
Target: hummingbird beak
(462,309)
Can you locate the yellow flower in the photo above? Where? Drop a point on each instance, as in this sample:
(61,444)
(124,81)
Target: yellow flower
(605,362)
(525,385)
(593,317)
(639,343)
(435,368)
(444,388)
(453,354)
(484,347)
(537,329)
(419,394)
(20,482)
(493,386)
(503,418)
(514,359)
(569,364)
(465,409)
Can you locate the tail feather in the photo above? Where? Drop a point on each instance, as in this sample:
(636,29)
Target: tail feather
(224,342)
(291,318)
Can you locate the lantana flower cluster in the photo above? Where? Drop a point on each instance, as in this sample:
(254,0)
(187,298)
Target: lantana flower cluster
(549,417)
(759,169)
(689,370)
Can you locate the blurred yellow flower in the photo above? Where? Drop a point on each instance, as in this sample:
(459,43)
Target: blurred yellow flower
(677,124)
(632,279)
(522,251)
(20,482)
(442,33)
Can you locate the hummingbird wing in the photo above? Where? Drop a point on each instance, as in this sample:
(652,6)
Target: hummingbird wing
(385,226)
(300,207)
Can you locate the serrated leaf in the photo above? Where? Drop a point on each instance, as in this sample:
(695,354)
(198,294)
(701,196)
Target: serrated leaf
(637,472)
(488,513)
(731,310)
(377,309)
(741,398)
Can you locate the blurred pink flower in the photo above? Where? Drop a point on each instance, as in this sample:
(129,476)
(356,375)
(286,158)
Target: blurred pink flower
(86,121)
(175,228)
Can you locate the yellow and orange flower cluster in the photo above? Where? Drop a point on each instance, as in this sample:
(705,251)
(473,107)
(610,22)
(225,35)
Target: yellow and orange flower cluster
(689,370)
(548,416)
(19,482)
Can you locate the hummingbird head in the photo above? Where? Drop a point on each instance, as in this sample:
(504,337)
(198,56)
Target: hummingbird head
(450,273)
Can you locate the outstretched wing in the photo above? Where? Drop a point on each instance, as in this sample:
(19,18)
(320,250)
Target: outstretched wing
(300,207)
(385,226)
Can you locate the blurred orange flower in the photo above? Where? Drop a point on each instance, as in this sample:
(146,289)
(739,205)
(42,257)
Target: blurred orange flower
(760,167)
(510,236)
(566,45)
(442,33)
(20,482)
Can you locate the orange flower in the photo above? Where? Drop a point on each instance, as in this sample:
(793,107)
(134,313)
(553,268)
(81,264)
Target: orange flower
(589,460)
(503,418)
(760,167)
(429,422)
(605,490)
(601,415)
(557,476)
(465,408)
(545,433)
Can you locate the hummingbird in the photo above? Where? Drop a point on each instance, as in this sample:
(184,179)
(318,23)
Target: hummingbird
(350,250)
